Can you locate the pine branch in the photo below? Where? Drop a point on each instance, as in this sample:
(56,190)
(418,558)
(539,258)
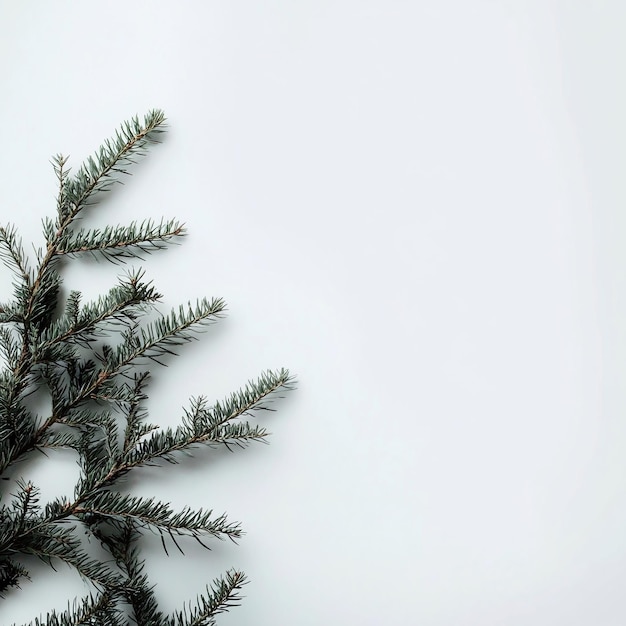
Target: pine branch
(136,414)
(25,506)
(139,594)
(13,255)
(10,575)
(159,337)
(151,342)
(220,597)
(99,610)
(141,598)
(44,299)
(120,306)
(98,390)
(100,171)
(10,312)
(50,227)
(212,426)
(17,423)
(120,242)
(253,397)
(50,541)
(10,347)
(157,515)
(37,296)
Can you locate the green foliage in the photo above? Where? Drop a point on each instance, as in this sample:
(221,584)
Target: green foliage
(98,394)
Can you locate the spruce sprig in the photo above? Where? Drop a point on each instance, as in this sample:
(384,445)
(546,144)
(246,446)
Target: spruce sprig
(98,393)
(100,610)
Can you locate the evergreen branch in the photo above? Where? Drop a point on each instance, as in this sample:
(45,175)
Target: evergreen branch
(60,353)
(212,426)
(44,299)
(10,312)
(119,306)
(158,515)
(136,413)
(50,233)
(141,597)
(67,439)
(59,163)
(253,396)
(220,597)
(99,171)
(15,259)
(38,296)
(110,391)
(121,242)
(139,594)
(13,255)
(98,456)
(152,342)
(57,378)
(10,347)
(157,338)
(50,541)
(100,610)
(17,423)
(10,575)
(25,506)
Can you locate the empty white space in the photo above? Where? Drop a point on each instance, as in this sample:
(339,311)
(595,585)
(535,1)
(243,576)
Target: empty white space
(416,206)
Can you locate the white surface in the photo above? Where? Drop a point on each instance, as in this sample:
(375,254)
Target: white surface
(418,208)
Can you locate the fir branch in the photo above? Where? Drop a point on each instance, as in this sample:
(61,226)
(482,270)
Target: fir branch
(43,302)
(151,342)
(254,396)
(157,515)
(98,456)
(97,174)
(66,439)
(37,295)
(62,172)
(212,426)
(142,598)
(13,255)
(138,592)
(17,423)
(65,353)
(100,171)
(10,312)
(159,337)
(128,398)
(141,593)
(10,575)
(220,597)
(121,305)
(119,242)
(99,610)
(25,506)
(136,427)
(48,541)
(10,347)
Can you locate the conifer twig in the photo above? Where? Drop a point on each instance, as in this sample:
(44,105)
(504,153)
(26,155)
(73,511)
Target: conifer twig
(98,393)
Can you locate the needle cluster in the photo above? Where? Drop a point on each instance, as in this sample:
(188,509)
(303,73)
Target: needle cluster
(97,390)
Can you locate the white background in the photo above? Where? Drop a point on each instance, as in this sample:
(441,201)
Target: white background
(417,207)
